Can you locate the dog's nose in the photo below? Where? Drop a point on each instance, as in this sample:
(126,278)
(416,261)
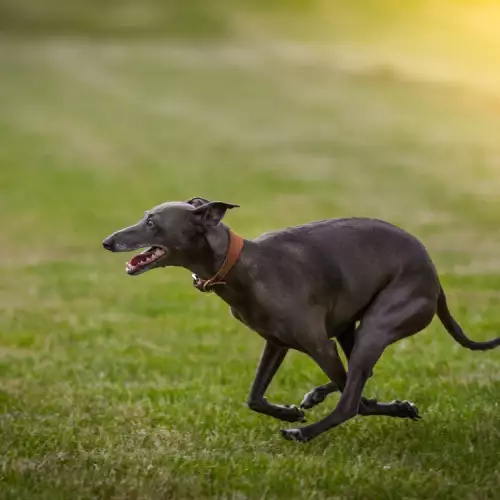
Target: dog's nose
(108,244)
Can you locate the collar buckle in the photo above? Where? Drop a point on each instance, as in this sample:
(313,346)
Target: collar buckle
(233,252)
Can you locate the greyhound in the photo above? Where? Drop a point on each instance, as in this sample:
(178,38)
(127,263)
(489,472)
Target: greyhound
(359,282)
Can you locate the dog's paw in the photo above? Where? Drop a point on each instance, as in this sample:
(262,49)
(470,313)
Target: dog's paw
(292,414)
(293,435)
(313,398)
(407,409)
(412,411)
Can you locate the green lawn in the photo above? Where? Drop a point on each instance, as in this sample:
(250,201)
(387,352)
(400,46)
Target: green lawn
(120,388)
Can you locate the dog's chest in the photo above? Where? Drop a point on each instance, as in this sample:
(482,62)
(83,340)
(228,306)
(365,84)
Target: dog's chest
(252,317)
(267,310)
(261,321)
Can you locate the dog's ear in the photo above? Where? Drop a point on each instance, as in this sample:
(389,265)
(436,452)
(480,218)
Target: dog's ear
(197,202)
(211,213)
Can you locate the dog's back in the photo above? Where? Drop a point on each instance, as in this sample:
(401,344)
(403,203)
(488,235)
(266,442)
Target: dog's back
(343,263)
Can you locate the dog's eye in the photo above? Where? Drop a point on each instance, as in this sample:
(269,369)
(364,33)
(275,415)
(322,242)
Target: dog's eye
(151,223)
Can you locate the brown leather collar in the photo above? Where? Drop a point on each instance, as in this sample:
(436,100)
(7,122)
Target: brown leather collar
(232,255)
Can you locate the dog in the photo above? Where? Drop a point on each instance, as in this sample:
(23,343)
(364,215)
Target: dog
(362,283)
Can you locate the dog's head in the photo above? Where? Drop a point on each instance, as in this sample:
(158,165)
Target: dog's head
(169,233)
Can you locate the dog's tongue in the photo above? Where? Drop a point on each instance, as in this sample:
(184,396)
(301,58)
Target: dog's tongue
(139,258)
(148,256)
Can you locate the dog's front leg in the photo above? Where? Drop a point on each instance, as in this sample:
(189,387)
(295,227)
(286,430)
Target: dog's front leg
(270,361)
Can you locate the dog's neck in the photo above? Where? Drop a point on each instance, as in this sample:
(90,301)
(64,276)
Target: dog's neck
(211,252)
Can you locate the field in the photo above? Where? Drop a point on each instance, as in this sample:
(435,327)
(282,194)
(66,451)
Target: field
(121,388)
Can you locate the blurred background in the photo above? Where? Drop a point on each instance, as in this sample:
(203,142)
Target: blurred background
(285,106)
(296,110)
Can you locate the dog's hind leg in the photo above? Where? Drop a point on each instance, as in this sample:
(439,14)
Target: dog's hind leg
(366,353)
(319,394)
(399,409)
(270,361)
(398,312)
(325,353)
(423,310)
(367,407)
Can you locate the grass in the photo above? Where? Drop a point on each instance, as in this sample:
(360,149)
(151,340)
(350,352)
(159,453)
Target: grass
(113,388)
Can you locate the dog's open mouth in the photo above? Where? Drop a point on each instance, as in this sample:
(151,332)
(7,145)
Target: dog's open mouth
(145,260)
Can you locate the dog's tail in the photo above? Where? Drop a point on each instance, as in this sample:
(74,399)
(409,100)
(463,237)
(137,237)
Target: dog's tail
(456,332)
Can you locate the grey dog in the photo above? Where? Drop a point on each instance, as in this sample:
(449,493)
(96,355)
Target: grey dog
(360,281)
